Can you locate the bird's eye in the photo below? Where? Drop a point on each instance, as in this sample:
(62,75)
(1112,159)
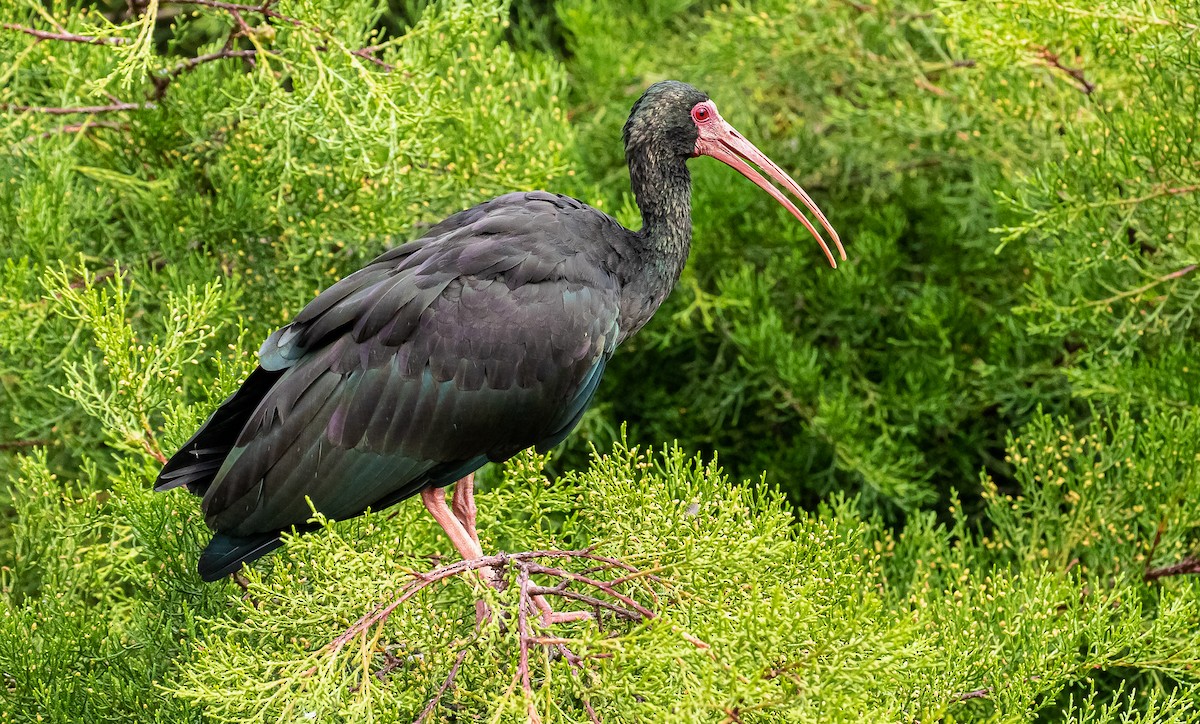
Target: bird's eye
(701,113)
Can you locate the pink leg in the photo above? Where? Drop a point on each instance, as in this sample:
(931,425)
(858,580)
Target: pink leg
(463,504)
(467,547)
(435,502)
(459,525)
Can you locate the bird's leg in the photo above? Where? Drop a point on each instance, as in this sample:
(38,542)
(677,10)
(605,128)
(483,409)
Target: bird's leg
(435,502)
(463,542)
(459,524)
(463,504)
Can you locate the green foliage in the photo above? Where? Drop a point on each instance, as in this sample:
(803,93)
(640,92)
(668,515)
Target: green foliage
(1017,189)
(899,374)
(767,615)
(1112,214)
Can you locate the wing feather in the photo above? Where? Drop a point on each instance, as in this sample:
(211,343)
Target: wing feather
(488,336)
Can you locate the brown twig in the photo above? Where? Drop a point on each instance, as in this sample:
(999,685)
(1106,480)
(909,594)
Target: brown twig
(77,127)
(525,605)
(602,585)
(264,9)
(242,27)
(1184,271)
(191,63)
(982,692)
(1052,60)
(368,54)
(62,111)
(1189,565)
(528,593)
(432,705)
(901,16)
(498,561)
(860,7)
(13,444)
(64,36)
(592,601)
(1158,534)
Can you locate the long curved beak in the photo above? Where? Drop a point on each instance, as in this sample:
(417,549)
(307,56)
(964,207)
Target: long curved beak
(722,141)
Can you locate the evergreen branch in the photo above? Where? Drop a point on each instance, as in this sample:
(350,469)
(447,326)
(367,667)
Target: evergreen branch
(77,127)
(161,79)
(1144,288)
(62,111)
(1125,18)
(1189,565)
(1052,61)
(64,36)
(250,53)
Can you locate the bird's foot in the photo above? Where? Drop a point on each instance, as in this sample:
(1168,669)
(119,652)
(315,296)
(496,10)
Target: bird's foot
(594,588)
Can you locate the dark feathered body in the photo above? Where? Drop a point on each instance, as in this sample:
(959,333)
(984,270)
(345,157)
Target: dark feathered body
(487,336)
(484,337)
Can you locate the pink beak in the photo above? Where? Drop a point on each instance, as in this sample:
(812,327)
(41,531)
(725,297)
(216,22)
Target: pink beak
(722,141)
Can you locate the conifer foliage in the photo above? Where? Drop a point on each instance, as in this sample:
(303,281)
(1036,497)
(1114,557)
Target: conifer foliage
(980,437)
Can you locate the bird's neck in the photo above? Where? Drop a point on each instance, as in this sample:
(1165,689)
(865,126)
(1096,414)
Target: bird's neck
(663,190)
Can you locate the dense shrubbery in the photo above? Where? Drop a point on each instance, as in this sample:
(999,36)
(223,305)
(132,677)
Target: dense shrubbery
(1018,189)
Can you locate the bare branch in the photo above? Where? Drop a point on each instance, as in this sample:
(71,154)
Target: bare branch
(432,705)
(603,586)
(63,111)
(191,63)
(64,36)
(1189,565)
(526,633)
(13,444)
(264,9)
(584,598)
(1077,74)
(976,694)
(528,604)
(366,54)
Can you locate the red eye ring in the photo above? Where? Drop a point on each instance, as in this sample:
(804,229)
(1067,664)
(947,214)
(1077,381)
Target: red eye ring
(701,113)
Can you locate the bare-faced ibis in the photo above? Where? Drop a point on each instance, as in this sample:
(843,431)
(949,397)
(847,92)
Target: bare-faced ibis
(486,336)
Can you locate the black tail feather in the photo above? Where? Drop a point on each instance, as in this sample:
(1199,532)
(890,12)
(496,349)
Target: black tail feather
(199,460)
(225,554)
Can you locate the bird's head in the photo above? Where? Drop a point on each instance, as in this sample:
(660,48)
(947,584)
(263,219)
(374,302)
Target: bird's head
(676,119)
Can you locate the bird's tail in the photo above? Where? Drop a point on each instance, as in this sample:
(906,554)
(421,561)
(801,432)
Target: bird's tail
(225,554)
(200,459)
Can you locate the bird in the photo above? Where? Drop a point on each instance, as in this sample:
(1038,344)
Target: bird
(486,336)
